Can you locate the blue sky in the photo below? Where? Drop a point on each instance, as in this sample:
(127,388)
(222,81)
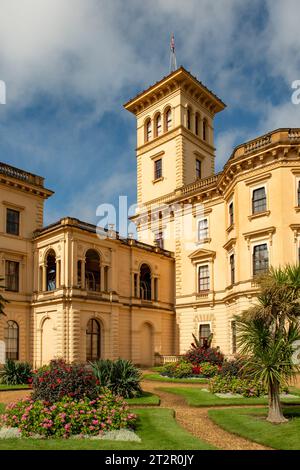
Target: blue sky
(70,65)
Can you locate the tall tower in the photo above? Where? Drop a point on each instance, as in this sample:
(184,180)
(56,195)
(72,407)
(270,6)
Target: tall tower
(175,137)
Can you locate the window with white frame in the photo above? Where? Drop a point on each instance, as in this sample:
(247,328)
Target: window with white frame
(260,259)
(158,128)
(259,200)
(203,278)
(148,130)
(204,333)
(202,229)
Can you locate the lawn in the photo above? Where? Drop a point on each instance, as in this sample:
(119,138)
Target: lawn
(4,387)
(145,399)
(157,428)
(198,397)
(160,378)
(250,423)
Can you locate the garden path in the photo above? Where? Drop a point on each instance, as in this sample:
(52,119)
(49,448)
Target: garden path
(196,420)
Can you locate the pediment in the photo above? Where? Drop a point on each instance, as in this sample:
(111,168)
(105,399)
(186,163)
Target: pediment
(202,254)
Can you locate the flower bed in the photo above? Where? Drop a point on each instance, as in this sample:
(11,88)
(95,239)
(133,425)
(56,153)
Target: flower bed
(240,386)
(68,417)
(181,370)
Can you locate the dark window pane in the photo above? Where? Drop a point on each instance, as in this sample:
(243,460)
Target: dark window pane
(12,276)
(203,230)
(204,333)
(12,221)
(198,168)
(231,214)
(157,169)
(260,259)
(233,336)
(203,278)
(93,338)
(259,201)
(232,269)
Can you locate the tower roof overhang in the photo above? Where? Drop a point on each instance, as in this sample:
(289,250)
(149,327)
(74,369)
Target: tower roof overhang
(180,79)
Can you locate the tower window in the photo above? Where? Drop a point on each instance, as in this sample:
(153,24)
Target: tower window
(232,269)
(158,169)
(259,200)
(203,278)
(158,125)
(148,130)
(298,193)
(204,130)
(145,282)
(198,168)
(188,119)
(260,259)
(197,124)
(159,240)
(12,222)
(231,214)
(168,119)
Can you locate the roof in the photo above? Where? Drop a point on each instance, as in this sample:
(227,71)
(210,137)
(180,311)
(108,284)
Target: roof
(28,179)
(180,74)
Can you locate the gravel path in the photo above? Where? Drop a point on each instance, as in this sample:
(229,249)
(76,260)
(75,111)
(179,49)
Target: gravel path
(196,420)
(8,397)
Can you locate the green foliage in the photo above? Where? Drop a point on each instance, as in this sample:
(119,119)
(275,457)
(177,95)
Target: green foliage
(178,370)
(120,376)
(247,388)
(59,379)
(232,368)
(15,373)
(68,417)
(208,370)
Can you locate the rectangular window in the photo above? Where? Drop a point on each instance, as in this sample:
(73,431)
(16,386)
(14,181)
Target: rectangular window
(156,289)
(198,168)
(259,201)
(159,240)
(298,193)
(232,269)
(12,276)
(260,259)
(158,169)
(135,287)
(203,229)
(203,278)
(231,214)
(12,222)
(233,337)
(204,334)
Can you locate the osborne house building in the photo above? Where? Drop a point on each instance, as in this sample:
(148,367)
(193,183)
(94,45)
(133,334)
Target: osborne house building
(201,239)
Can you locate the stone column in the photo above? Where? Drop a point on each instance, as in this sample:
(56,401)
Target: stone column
(102,274)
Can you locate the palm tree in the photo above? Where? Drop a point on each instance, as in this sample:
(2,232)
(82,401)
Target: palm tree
(267,333)
(3,301)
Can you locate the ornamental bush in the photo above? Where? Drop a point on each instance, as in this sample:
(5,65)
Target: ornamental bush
(120,376)
(246,387)
(232,368)
(59,379)
(68,417)
(178,370)
(15,373)
(197,356)
(208,370)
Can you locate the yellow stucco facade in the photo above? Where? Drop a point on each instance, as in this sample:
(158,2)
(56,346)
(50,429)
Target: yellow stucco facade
(202,237)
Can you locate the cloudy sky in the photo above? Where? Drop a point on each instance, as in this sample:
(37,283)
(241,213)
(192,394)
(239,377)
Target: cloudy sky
(69,66)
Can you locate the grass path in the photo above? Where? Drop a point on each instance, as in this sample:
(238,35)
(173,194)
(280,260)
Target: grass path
(197,421)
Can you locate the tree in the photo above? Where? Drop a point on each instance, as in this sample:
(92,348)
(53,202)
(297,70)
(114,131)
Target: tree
(268,331)
(3,301)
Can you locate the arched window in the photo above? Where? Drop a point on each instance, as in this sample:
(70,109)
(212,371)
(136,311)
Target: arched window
(188,118)
(93,340)
(148,130)
(11,339)
(168,119)
(92,271)
(51,271)
(204,131)
(197,124)
(145,282)
(158,125)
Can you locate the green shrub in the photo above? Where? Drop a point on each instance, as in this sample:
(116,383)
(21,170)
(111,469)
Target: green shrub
(69,417)
(59,379)
(246,387)
(232,368)
(15,373)
(178,370)
(208,370)
(120,376)
(197,356)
